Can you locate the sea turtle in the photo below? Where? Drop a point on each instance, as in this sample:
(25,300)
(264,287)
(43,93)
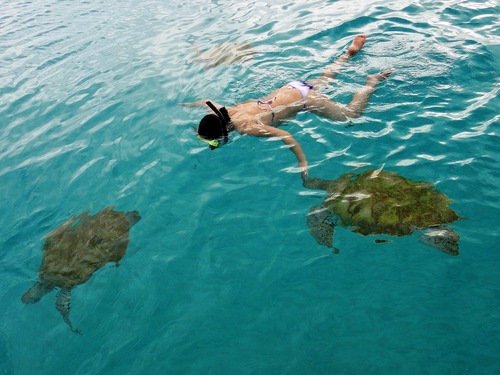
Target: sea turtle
(380,202)
(225,53)
(75,250)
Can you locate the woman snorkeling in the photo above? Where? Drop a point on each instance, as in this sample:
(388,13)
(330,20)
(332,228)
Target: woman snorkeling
(261,117)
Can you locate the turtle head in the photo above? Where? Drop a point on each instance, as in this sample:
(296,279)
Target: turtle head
(133,217)
(316,183)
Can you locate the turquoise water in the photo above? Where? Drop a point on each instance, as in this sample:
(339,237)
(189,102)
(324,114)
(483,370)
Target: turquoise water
(221,274)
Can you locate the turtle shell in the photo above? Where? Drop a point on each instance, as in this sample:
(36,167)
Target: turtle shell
(82,245)
(380,202)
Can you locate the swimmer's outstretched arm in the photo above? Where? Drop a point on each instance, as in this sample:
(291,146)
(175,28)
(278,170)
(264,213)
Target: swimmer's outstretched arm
(261,130)
(201,103)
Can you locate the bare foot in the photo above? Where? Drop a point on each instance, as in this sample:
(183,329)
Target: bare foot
(356,45)
(374,79)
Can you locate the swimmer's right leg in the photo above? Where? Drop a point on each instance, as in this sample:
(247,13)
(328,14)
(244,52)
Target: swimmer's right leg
(360,99)
(321,105)
(333,69)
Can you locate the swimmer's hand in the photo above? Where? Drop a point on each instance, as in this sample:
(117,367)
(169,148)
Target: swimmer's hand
(303,171)
(304,175)
(200,103)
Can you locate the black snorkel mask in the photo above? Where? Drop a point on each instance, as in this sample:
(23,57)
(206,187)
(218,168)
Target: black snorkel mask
(224,123)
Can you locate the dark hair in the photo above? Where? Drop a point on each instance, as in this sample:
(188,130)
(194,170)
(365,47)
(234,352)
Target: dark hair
(210,127)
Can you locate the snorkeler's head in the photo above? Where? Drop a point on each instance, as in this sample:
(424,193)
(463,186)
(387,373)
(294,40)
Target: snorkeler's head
(210,127)
(213,128)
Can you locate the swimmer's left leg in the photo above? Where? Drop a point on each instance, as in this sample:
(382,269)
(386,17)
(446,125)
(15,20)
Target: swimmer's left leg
(331,71)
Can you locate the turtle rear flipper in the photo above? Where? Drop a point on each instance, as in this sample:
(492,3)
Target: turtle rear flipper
(320,224)
(442,238)
(36,292)
(63,302)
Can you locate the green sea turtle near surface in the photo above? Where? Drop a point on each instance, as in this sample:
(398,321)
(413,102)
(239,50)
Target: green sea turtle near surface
(380,202)
(225,53)
(75,250)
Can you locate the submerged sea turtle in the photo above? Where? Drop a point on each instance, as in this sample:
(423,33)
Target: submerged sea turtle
(75,250)
(226,53)
(379,202)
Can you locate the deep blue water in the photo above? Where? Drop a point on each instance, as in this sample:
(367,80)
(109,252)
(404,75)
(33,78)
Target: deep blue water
(221,274)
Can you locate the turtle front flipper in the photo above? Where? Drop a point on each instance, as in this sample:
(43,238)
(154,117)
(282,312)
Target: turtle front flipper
(60,229)
(63,302)
(36,292)
(442,238)
(319,221)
